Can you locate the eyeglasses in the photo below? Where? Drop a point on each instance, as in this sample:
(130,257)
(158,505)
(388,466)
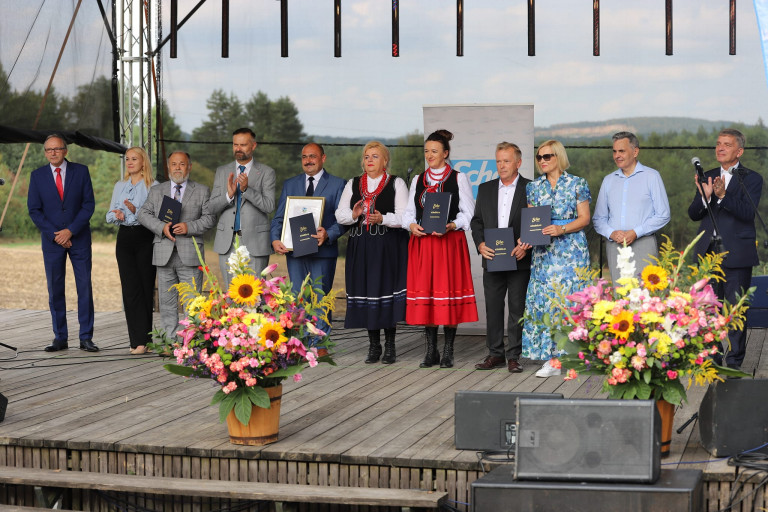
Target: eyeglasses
(53,150)
(546,157)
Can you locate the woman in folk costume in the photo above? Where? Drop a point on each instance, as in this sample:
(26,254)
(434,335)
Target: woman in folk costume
(373,204)
(439,290)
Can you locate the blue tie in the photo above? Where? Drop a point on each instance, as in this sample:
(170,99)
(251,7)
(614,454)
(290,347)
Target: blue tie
(239,199)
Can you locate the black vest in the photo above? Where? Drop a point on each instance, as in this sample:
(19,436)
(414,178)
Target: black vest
(383,203)
(450,185)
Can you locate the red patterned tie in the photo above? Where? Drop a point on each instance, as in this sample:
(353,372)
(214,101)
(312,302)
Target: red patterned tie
(59,184)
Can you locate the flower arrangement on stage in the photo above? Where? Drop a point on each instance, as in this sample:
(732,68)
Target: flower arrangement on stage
(251,336)
(646,334)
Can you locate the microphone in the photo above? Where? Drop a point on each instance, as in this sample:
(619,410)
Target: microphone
(408,179)
(699,171)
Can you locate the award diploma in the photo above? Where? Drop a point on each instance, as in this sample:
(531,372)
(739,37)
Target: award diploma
(533,220)
(502,241)
(434,217)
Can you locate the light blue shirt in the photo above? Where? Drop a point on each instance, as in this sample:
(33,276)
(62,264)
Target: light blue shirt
(638,202)
(136,194)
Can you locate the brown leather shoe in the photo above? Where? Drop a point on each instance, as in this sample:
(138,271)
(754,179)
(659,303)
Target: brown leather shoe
(490,363)
(514,366)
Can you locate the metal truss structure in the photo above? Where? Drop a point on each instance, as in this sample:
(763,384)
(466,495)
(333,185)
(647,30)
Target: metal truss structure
(135,29)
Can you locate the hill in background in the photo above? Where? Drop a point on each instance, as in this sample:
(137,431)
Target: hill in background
(588,130)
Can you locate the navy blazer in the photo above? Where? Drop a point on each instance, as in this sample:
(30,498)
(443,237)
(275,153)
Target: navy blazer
(734,216)
(50,213)
(487,214)
(330,187)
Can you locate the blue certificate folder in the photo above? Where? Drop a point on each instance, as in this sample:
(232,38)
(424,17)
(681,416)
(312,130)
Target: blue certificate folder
(434,218)
(170,210)
(502,241)
(532,221)
(302,229)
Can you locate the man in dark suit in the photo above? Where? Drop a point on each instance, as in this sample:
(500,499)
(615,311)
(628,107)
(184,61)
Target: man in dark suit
(173,251)
(316,182)
(252,185)
(498,204)
(732,206)
(60,202)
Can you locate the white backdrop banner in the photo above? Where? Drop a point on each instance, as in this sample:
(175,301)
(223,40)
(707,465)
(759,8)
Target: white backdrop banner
(476,131)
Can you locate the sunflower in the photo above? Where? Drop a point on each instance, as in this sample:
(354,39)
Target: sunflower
(622,325)
(245,289)
(271,331)
(655,277)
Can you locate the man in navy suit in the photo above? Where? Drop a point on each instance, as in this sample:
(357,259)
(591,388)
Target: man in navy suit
(316,182)
(60,202)
(732,206)
(499,205)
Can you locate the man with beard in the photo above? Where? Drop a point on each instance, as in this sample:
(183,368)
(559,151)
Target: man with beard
(174,252)
(243,196)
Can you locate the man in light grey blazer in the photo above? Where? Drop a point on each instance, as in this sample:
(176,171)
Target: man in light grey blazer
(174,252)
(243,196)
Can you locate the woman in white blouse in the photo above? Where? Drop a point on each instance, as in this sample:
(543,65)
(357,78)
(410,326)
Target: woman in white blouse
(377,252)
(439,287)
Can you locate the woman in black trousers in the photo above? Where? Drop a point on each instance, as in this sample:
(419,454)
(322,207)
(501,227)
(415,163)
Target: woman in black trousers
(134,247)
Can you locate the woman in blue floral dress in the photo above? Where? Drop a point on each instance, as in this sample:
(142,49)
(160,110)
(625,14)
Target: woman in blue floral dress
(557,262)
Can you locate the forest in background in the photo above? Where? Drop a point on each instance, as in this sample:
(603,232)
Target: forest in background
(281,135)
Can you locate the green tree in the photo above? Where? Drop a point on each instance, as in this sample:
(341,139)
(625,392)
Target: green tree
(90,109)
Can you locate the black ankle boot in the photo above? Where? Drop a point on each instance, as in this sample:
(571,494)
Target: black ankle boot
(432,356)
(450,335)
(374,349)
(389,346)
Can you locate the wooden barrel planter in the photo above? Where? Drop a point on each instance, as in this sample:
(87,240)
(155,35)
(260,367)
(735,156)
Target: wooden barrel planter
(264,424)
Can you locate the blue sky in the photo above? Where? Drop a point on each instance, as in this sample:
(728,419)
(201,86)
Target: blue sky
(368,93)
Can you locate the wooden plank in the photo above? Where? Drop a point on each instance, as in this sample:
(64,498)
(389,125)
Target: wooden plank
(220,489)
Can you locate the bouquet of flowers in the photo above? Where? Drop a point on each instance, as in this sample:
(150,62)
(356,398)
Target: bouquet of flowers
(252,336)
(645,335)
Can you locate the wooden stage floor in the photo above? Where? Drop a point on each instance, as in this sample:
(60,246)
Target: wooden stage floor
(353,424)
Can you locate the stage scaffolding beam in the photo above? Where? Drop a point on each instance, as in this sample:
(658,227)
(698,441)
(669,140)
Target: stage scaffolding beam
(134,38)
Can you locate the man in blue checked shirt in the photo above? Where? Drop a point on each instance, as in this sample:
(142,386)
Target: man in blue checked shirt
(632,206)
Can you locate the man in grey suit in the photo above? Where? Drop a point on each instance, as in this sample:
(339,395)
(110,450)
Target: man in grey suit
(174,252)
(243,202)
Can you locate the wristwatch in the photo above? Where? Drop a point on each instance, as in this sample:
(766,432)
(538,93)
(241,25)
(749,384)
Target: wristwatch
(563,226)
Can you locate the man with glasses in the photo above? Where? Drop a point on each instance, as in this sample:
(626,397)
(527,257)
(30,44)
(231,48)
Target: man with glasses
(631,207)
(243,196)
(60,202)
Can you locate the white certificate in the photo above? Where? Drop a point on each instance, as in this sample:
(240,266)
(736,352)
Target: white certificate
(299,205)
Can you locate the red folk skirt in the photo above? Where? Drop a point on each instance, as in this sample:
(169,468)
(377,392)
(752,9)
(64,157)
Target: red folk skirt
(439,284)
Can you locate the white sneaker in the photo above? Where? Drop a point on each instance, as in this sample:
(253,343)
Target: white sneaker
(548,370)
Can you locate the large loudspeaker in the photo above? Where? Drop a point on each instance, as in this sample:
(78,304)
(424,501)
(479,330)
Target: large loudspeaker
(486,420)
(588,440)
(733,416)
(678,490)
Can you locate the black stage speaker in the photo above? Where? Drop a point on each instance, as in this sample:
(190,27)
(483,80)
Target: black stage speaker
(3,406)
(588,440)
(733,416)
(485,420)
(678,490)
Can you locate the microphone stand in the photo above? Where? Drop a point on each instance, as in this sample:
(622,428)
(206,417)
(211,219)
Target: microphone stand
(740,175)
(716,242)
